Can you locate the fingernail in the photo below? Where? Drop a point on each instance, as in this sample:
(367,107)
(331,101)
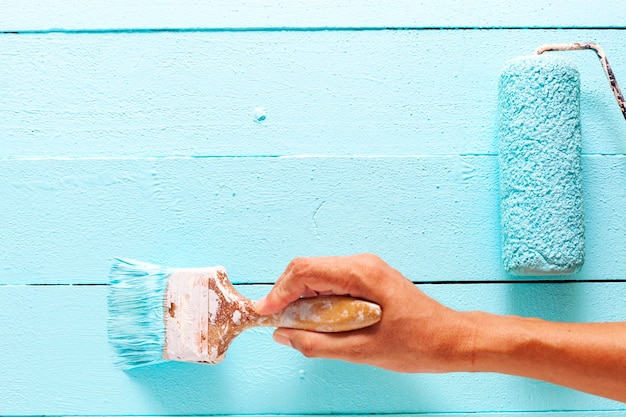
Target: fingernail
(258,305)
(282,339)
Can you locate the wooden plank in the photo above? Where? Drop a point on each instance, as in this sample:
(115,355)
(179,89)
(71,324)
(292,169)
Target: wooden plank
(407,92)
(601,413)
(434,218)
(56,361)
(118,14)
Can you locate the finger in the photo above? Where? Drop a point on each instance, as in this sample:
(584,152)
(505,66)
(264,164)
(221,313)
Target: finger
(281,295)
(291,285)
(325,275)
(320,275)
(341,346)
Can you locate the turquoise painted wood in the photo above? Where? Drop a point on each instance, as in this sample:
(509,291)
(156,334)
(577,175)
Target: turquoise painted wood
(302,14)
(253,215)
(246,133)
(56,361)
(400,92)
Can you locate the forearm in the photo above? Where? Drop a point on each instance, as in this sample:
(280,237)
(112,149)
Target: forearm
(418,334)
(589,357)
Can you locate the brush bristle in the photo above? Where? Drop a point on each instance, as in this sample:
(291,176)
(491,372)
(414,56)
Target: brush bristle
(136,299)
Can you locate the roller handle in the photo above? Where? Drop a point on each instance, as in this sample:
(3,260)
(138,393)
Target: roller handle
(326,313)
(575,46)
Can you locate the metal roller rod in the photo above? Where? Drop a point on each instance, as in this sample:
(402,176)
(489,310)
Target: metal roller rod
(577,46)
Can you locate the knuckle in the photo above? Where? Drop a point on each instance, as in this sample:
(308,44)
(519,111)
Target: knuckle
(281,293)
(372,259)
(299,266)
(308,348)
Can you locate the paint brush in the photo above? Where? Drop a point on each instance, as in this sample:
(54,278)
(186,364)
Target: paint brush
(193,314)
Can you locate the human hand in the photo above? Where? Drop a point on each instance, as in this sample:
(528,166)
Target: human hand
(415,334)
(418,334)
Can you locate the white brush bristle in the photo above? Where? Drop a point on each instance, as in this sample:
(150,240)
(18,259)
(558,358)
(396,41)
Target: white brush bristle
(136,299)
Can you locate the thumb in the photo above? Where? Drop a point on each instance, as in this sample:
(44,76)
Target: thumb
(313,344)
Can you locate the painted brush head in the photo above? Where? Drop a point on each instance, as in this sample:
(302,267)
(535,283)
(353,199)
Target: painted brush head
(136,329)
(158,313)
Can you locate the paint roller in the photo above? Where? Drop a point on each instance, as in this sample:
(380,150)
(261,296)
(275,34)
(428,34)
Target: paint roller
(539,154)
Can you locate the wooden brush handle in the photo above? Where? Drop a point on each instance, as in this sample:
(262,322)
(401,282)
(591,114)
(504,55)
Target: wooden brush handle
(326,313)
(204,313)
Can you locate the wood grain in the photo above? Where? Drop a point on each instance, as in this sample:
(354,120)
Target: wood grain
(193,133)
(56,361)
(359,14)
(383,93)
(435,219)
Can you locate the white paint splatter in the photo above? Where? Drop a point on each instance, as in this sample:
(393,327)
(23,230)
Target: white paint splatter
(237,317)
(214,305)
(260,114)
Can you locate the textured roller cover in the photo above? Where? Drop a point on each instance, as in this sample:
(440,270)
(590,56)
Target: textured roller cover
(539,141)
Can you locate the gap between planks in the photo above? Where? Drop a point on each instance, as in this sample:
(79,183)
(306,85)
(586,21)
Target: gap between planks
(296,29)
(277,156)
